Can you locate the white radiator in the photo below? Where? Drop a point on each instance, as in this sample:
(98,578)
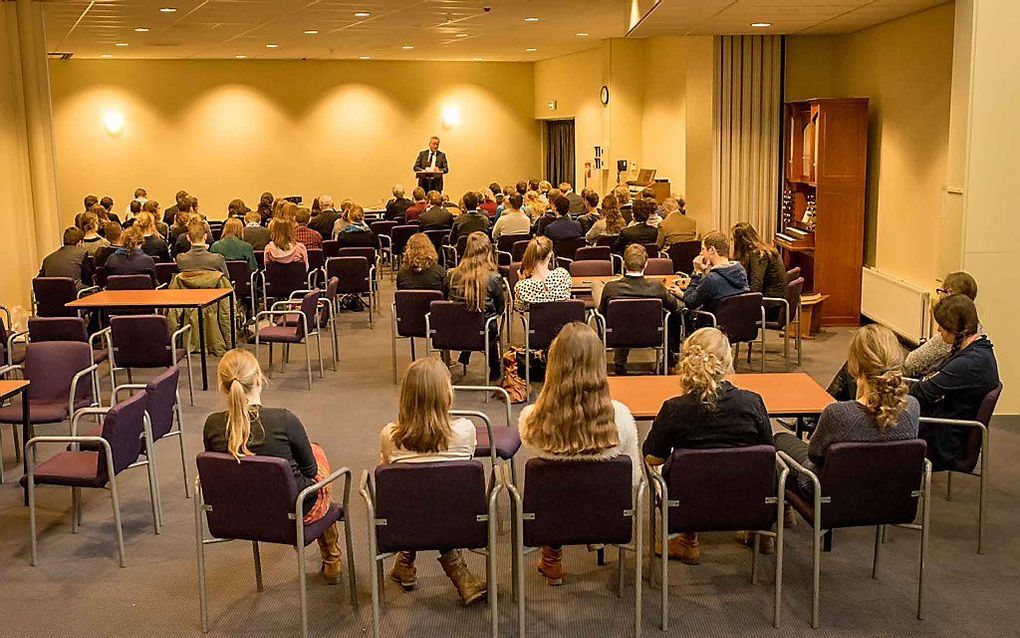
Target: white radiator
(895,303)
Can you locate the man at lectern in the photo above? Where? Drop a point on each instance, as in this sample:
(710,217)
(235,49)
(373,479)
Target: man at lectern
(430,167)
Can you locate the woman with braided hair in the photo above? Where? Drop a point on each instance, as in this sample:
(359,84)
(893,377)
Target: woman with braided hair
(957,387)
(709,413)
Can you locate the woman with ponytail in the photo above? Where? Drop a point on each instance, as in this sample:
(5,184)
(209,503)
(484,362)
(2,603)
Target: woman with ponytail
(246,428)
(957,387)
(709,413)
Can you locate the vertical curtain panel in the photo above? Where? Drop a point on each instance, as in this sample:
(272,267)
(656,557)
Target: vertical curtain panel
(559,157)
(747,129)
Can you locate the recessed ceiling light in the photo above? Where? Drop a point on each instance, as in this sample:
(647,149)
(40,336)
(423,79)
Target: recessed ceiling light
(462,35)
(106,55)
(365,57)
(168,9)
(272,45)
(531,50)
(362,14)
(311,32)
(141,29)
(241,57)
(761,25)
(121,44)
(531,19)
(581,34)
(407,47)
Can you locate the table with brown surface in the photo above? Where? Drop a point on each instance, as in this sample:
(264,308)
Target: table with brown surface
(584,283)
(197,298)
(7,390)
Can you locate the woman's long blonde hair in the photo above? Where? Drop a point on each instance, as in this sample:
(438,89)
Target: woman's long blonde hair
(239,372)
(611,213)
(419,253)
(574,413)
(470,279)
(281,233)
(877,359)
(423,419)
(538,251)
(705,359)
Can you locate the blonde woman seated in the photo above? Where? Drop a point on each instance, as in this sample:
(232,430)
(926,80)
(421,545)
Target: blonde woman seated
(475,281)
(709,413)
(574,417)
(611,222)
(283,246)
(540,281)
(247,428)
(425,433)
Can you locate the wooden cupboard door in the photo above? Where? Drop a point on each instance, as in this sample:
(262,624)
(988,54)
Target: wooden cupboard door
(839,250)
(843,142)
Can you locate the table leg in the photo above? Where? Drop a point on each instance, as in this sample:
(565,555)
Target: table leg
(233,323)
(27,432)
(201,347)
(799,432)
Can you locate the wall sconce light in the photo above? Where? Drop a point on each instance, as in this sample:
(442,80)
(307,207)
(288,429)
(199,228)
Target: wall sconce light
(113,122)
(451,116)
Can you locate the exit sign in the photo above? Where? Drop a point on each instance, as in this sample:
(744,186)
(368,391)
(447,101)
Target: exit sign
(552,105)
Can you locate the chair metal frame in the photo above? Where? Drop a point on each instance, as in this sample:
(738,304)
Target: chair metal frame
(373,287)
(306,342)
(184,333)
(786,329)
(324,304)
(485,335)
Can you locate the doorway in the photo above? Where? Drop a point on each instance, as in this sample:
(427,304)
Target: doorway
(559,151)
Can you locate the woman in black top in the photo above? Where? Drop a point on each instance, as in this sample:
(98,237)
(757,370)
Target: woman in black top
(709,413)
(476,282)
(246,428)
(765,270)
(956,389)
(129,258)
(419,268)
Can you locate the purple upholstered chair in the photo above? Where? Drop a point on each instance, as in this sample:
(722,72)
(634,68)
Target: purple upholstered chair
(545,320)
(789,315)
(330,248)
(298,333)
(256,499)
(746,494)
(326,315)
(682,254)
(577,503)
(260,259)
(861,485)
(368,253)
(165,273)
(115,447)
(566,249)
(357,279)
(505,245)
(451,326)
(400,235)
(243,280)
(42,329)
(591,268)
(316,261)
(659,266)
(594,253)
(517,250)
(129,282)
(506,440)
(52,294)
(430,506)
(742,319)
(145,341)
(636,323)
(279,280)
(409,310)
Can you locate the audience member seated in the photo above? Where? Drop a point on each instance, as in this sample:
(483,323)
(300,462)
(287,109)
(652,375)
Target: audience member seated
(469,221)
(425,433)
(640,232)
(544,187)
(421,202)
(927,357)
(513,220)
(487,203)
(265,207)
(152,207)
(134,208)
(437,216)
(540,281)
(591,211)
(237,208)
(90,202)
(255,233)
(141,196)
(397,207)
(709,413)
(107,203)
(283,247)
(183,243)
(765,270)
(563,227)
(534,205)
(129,258)
(357,233)
(676,226)
(622,194)
(574,417)
(70,260)
(575,200)
(307,236)
(198,256)
(476,282)
(152,244)
(170,214)
(232,245)
(113,233)
(956,388)
(179,228)
(419,267)
(634,285)
(715,276)
(610,223)
(92,240)
(248,428)
(546,217)
(323,221)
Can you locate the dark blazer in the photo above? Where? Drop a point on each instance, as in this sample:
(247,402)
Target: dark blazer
(133,263)
(467,223)
(435,218)
(637,288)
(397,207)
(431,278)
(636,234)
(257,236)
(322,223)
(435,181)
(68,261)
(155,246)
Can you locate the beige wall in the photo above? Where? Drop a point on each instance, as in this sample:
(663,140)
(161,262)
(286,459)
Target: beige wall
(905,67)
(225,129)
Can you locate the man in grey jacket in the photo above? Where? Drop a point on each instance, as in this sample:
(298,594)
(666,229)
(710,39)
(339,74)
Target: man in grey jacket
(199,257)
(70,260)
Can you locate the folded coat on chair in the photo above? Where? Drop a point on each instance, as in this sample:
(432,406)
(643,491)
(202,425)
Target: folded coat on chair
(216,317)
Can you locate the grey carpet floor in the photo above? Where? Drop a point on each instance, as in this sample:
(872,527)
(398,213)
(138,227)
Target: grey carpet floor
(78,587)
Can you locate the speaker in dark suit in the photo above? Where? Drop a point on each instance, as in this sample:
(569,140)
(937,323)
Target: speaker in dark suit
(431,166)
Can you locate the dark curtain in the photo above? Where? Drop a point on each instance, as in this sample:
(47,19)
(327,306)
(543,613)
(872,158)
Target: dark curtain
(559,157)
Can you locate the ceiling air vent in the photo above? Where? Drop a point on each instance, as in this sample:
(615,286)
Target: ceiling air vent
(57,55)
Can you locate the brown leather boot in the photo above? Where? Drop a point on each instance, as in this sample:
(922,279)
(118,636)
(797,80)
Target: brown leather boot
(684,548)
(332,559)
(551,565)
(468,586)
(404,572)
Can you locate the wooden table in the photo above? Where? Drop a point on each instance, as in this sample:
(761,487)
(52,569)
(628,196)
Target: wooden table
(7,390)
(197,298)
(789,394)
(584,283)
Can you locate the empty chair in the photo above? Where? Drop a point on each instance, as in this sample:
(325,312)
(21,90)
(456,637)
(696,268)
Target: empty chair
(517,249)
(505,244)
(544,321)
(225,490)
(565,249)
(383,230)
(129,282)
(357,279)
(742,319)
(145,341)
(279,280)
(863,485)
(316,260)
(165,272)
(451,326)
(789,315)
(8,354)
(330,248)
(682,254)
(408,311)
(499,444)
(52,294)
(591,268)
(438,237)
(659,266)
(636,324)
(306,326)
(164,410)
(368,253)
(597,253)
(42,329)
(243,280)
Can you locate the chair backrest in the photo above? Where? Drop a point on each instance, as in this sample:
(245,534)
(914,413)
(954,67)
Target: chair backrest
(567,248)
(260,259)
(517,249)
(593,253)
(430,506)
(872,483)
(122,428)
(162,394)
(739,316)
(42,329)
(316,258)
(129,282)
(251,499)
(366,252)
(652,249)
(591,268)
(165,271)
(240,275)
(102,272)
(683,253)
(634,323)
(217,230)
(380,228)
(659,266)
(514,275)
(743,481)
(141,341)
(454,327)
(606,240)
(283,279)
(401,234)
(310,309)
(461,245)
(352,272)
(410,308)
(50,366)
(545,320)
(972,444)
(51,296)
(578,502)
(505,243)
(330,248)
(438,238)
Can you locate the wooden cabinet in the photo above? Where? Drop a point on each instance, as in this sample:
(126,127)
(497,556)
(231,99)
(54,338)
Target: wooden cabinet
(825,169)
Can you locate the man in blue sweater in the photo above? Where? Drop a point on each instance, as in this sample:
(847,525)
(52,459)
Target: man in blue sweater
(715,276)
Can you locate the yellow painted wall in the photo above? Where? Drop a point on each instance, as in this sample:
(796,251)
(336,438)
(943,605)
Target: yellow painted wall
(226,129)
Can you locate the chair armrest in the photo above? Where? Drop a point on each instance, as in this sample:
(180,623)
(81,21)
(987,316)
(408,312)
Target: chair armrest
(105,332)
(488,427)
(87,291)
(184,333)
(286,303)
(281,313)
(928,420)
(11,338)
(85,412)
(74,386)
(316,487)
(800,469)
(124,387)
(482,388)
(11,368)
(295,296)
(36,440)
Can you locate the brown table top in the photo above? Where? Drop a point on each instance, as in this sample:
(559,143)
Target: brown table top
(10,388)
(586,282)
(784,394)
(163,298)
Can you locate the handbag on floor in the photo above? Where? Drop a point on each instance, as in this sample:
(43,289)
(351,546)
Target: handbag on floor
(512,382)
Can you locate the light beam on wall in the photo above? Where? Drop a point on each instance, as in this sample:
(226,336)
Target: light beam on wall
(451,116)
(113,122)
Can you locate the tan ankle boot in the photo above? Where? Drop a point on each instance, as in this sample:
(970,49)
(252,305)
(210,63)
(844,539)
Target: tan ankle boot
(468,586)
(551,565)
(404,572)
(332,559)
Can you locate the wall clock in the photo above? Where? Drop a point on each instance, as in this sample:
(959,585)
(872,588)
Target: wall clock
(604,96)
